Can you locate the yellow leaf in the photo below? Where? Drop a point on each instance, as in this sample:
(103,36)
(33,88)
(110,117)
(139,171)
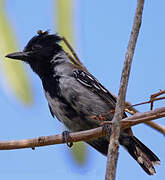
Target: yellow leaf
(13,72)
(64,17)
(79,152)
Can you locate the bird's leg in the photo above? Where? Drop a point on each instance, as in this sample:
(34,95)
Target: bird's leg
(102,117)
(107,127)
(65,137)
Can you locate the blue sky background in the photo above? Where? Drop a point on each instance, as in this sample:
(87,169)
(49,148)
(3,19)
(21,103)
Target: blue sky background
(102,30)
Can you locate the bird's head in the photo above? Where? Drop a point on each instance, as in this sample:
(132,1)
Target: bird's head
(39,51)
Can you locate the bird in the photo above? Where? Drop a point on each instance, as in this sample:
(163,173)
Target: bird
(75,96)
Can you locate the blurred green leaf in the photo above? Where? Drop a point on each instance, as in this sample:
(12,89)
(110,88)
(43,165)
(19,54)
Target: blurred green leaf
(14,72)
(64,16)
(79,152)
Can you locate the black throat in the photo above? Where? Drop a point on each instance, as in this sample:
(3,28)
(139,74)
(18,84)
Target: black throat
(50,77)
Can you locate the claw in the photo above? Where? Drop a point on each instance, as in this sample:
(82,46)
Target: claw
(65,137)
(107,127)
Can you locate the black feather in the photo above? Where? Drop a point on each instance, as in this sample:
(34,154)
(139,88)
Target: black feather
(43,39)
(51,111)
(100,144)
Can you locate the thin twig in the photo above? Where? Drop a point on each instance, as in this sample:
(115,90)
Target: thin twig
(131,110)
(72,59)
(139,118)
(158,94)
(76,60)
(82,135)
(156,126)
(153,96)
(114,144)
(146,102)
(71,49)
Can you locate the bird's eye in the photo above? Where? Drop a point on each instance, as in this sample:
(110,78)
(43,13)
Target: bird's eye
(36,47)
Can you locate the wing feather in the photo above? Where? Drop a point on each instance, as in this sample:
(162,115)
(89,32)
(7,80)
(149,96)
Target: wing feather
(86,79)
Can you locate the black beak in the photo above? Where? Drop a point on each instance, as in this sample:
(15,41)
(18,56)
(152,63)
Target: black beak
(24,56)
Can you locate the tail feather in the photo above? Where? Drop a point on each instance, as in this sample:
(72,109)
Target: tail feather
(143,155)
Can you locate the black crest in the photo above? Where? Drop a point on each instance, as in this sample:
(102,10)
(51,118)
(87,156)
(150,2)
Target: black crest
(43,39)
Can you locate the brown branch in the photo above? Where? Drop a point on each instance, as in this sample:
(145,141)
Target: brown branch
(156,126)
(130,109)
(153,97)
(138,118)
(114,144)
(146,102)
(76,59)
(83,135)
(71,49)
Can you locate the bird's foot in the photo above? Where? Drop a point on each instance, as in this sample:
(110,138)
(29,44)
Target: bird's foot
(65,137)
(106,125)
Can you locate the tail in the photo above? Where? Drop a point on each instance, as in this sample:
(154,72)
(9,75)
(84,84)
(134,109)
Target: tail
(143,155)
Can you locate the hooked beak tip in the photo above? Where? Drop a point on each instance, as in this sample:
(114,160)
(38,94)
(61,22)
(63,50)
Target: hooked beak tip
(8,56)
(18,55)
